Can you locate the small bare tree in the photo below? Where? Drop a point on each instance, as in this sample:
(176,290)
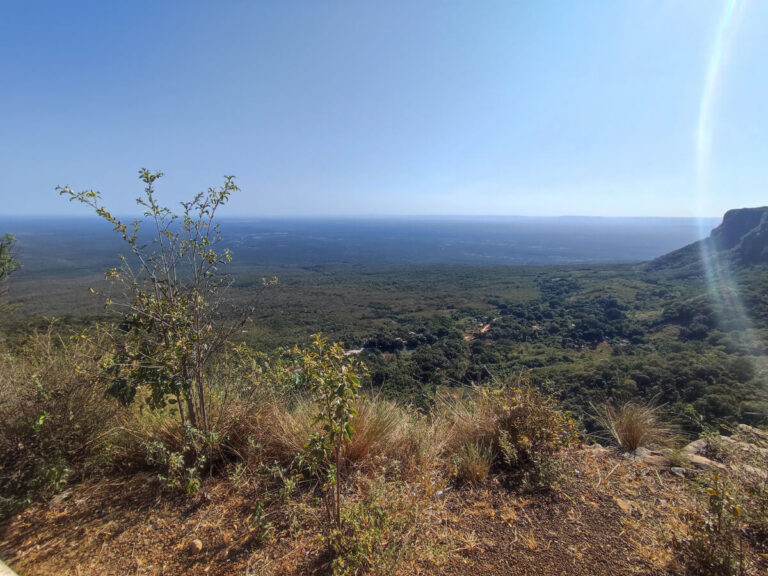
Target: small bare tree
(173,321)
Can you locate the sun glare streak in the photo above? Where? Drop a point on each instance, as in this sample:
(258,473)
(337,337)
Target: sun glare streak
(708,98)
(722,289)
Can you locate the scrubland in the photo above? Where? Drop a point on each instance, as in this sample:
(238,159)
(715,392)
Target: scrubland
(498,479)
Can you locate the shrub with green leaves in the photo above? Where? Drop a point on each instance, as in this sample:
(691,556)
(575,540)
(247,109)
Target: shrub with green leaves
(715,542)
(333,379)
(379,532)
(175,281)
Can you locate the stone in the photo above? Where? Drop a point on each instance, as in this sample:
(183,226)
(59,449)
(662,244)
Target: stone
(696,447)
(705,463)
(195,546)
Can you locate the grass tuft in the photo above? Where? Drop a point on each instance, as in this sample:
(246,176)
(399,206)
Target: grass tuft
(635,425)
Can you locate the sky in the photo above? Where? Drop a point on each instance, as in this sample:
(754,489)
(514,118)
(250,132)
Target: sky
(646,108)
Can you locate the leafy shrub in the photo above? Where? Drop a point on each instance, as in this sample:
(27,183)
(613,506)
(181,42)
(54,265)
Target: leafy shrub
(713,546)
(379,531)
(174,471)
(334,383)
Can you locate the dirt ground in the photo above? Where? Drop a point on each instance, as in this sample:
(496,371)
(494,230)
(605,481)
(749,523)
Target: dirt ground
(610,516)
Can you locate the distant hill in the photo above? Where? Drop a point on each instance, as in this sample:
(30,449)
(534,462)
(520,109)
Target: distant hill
(741,240)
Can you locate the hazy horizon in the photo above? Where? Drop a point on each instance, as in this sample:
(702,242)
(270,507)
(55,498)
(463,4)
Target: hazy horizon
(74,246)
(10,217)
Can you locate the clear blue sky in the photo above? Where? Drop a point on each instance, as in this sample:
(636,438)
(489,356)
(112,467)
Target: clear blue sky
(537,108)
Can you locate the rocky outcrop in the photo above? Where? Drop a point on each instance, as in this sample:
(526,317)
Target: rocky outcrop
(741,239)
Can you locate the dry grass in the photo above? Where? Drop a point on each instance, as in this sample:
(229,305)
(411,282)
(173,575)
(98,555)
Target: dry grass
(380,430)
(635,425)
(523,431)
(383,430)
(280,430)
(465,420)
(57,422)
(473,463)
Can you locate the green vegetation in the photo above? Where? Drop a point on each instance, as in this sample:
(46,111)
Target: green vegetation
(513,429)
(8,263)
(733,511)
(334,385)
(171,326)
(450,375)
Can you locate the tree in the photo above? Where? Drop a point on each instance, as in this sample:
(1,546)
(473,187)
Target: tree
(173,313)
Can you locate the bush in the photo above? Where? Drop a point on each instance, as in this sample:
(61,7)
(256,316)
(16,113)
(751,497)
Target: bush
(380,531)
(713,546)
(57,421)
(524,429)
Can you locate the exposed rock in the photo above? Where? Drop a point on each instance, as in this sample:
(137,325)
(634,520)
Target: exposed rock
(656,460)
(626,505)
(195,546)
(58,500)
(701,462)
(695,447)
(752,435)
(676,470)
(741,239)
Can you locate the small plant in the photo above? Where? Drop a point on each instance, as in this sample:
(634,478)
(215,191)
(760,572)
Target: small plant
(472,462)
(714,447)
(173,471)
(260,526)
(380,529)
(334,382)
(714,545)
(634,425)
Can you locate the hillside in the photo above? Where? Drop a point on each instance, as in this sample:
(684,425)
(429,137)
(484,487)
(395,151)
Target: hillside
(740,240)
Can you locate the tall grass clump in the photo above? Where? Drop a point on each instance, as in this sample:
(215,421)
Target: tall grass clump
(473,462)
(57,421)
(381,431)
(634,425)
(519,429)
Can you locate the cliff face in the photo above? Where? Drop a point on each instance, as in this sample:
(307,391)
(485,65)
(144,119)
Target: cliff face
(741,239)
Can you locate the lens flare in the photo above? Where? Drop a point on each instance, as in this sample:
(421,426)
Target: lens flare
(723,290)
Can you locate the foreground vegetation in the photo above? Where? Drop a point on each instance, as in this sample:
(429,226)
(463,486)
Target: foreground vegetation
(456,380)
(385,482)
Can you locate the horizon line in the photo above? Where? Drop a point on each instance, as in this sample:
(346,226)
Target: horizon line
(370,216)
